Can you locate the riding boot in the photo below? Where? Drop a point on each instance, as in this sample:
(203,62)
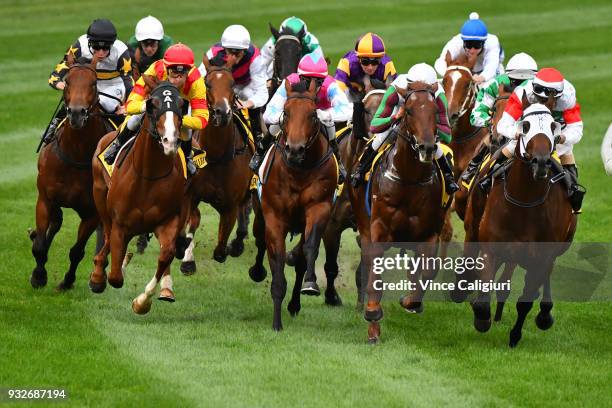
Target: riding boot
(262,145)
(255,121)
(333,143)
(447,173)
(474,164)
(186,147)
(576,191)
(486,183)
(50,133)
(114,148)
(362,166)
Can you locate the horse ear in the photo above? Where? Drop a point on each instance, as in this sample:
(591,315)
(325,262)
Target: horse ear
(403,91)
(206,62)
(274,31)
(94,62)
(367,84)
(152,105)
(151,82)
(70,58)
(312,87)
(523,127)
(287,86)
(434,88)
(448,58)
(525,101)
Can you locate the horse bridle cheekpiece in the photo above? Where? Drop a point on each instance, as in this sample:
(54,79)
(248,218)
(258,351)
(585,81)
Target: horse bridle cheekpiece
(95,99)
(540,120)
(169,98)
(409,137)
(316,125)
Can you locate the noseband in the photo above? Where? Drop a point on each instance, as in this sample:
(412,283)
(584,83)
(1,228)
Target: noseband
(407,136)
(96,98)
(317,123)
(211,111)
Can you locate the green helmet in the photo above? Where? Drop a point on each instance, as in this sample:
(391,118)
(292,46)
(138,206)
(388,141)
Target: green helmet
(294,24)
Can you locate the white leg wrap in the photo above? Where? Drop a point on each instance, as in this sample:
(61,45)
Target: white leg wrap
(166,282)
(150,288)
(189,251)
(438,152)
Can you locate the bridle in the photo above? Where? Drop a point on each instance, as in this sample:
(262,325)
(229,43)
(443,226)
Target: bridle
(407,136)
(290,37)
(469,97)
(211,111)
(95,101)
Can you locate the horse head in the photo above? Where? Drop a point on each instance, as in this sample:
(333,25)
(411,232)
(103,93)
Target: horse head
(537,134)
(219,92)
(81,91)
(287,53)
(418,123)
(458,85)
(366,105)
(164,116)
(499,105)
(300,122)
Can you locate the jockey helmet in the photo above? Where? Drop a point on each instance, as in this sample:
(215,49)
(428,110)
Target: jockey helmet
(422,73)
(293,23)
(101,32)
(474,29)
(521,66)
(236,37)
(548,81)
(370,45)
(313,65)
(149,28)
(179,57)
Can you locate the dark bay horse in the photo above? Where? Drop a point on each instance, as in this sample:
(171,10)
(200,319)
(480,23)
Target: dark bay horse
(296,197)
(287,54)
(461,92)
(406,197)
(224,182)
(65,175)
(148,192)
(528,193)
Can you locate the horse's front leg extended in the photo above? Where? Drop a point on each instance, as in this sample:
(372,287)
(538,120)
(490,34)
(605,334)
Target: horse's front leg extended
(226,225)
(317,217)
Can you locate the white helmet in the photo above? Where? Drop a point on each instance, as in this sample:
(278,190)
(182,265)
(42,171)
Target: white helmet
(149,28)
(236,36)
(521,66)
(422,72)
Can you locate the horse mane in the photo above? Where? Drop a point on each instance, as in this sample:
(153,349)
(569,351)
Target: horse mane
(82,61)
(300,87)
(217,61)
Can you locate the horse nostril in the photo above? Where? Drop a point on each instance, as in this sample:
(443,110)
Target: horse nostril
(83,111)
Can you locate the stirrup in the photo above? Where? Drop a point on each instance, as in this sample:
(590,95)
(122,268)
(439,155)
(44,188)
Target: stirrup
(470,171)
(111,153)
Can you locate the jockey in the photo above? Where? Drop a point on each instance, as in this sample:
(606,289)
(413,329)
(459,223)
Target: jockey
(566,110)
(475,39)
(520,67)
(332,106)
(368,59)
(389,112)
(248,70)
(297,26)
(114,68)
(178,68)
(148,44)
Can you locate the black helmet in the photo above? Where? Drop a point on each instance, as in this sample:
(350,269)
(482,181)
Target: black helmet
(102,31)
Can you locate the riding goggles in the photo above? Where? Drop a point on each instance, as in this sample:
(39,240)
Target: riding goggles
(369,61)
(99,45)
(545,92)
(473,44)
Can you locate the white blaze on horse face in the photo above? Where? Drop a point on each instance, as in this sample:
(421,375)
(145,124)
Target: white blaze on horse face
(225,101)
(169,138)
(455,76)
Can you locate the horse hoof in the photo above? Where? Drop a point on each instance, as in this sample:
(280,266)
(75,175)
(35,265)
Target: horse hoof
(166,295)
(310,289)
(458,296)
(333,299)
(277,327)
(294,309)
(236,248)
(64,286)
(373,315)
(515,337)
(290,258)
(544,321)
(257,273)
(38,283)
(373,341)
(97,287)
(116,283)
(141,304)
(188,268)
(482,325)
(220,257)
(410,306)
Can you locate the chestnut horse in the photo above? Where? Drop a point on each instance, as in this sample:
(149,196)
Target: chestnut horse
(528,193)
(287,54)
(406,197)
(461,92)
(224,182)
(65,175)
(148,192)
(296,197)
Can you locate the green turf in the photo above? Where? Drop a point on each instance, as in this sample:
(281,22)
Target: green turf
(214,346)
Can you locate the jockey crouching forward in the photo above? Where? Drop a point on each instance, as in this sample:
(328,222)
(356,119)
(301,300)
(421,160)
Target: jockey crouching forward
(385,118)
(178,68)
(248,71)
(113,70)
(148,44)
(521,67)
(332,106)
(566,110)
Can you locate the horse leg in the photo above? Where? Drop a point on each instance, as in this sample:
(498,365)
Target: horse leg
(40,242)
(77,252)
(275,242)
(236,246)
(502,295)
(370,251)
(166,235)
(294,305)
(316,220)
(118,247)
(258,272)
(226,225)
(97,279)
(294,253)
(166,293)
(331,241)
(188,265)
(544,319)
(534,278)
(141,243)
(481,306)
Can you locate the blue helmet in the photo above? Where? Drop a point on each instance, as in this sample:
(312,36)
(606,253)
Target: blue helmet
(474,29)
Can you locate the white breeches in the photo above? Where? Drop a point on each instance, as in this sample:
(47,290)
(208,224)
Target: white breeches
(114,87)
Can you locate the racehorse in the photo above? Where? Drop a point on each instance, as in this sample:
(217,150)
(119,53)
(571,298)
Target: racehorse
(224,181)
(528,193)
(64,172)
(406,197)
(287,54)
(300,179)
(148,192)
(460,92)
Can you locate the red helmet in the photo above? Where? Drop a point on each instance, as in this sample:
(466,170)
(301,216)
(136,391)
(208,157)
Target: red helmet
(179,57)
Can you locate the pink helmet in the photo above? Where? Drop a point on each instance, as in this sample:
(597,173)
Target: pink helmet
(313,65)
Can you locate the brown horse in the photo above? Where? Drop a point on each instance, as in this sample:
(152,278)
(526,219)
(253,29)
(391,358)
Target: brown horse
(224,182)
(527,192)
(148,192)
(296,197)
(64,172)
(460,92)
(406,197)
